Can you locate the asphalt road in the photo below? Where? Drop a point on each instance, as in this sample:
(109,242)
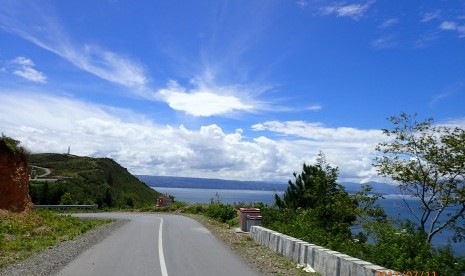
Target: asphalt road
(157,244)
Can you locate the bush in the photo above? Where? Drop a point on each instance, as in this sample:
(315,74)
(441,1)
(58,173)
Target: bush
(67,199)
(195,209)
(221,212)
(401,246)
(233,222)
(404,247)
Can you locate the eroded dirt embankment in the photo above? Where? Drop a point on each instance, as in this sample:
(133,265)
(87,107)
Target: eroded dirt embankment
(14,179)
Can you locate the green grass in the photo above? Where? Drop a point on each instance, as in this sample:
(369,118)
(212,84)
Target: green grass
(22,234)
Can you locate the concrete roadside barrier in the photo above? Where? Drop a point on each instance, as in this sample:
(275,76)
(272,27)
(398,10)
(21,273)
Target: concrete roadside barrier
(322,260)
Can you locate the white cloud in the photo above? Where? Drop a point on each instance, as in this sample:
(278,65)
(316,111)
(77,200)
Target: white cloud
(446,96)
(428,16)
(453,26)
(24,68)
(201,101)
(44,30)
(354,11)
(352,150)
(51,124)
(448,25)
(107,65)
(315,107)
(438,97)
(425,40)
(385,42)
(389,23)
(458,122)
(318,131)
(302,3)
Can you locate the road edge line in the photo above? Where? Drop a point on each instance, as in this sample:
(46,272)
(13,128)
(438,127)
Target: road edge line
(164,271)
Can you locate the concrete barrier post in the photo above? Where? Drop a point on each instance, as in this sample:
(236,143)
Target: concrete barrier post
(281,239)
(296,253)
(253,233)
(266,237)
(347,263)
(358,267)
(302,252)
(319,258)
(372,270)
(311,254)
(275,242)
(290,243)
(332,264)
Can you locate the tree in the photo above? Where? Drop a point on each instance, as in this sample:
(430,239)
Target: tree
(45,196)
(428,161)
(316,189)
(14,146)
(108,199)
(67,199)
(313,186)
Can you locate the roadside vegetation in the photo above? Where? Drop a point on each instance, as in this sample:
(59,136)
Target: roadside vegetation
(428,162)
(23,234)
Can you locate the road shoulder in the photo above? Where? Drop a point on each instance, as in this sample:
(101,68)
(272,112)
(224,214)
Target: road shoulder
(52,260)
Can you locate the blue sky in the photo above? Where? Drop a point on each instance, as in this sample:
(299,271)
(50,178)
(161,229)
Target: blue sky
(227,89)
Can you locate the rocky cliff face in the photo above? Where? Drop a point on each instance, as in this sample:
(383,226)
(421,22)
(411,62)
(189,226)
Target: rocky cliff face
(14,179)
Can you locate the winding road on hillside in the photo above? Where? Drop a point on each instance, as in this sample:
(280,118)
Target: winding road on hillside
(41,177)
(47,171)
(157,244)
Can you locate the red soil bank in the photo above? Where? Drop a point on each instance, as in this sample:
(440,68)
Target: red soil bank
(14,180)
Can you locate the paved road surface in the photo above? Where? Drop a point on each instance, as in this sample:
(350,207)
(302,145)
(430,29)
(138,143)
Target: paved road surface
(157,244)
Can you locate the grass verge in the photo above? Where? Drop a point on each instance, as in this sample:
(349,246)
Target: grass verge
(23,234)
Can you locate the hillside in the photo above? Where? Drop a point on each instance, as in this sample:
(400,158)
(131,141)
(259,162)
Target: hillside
(86,180)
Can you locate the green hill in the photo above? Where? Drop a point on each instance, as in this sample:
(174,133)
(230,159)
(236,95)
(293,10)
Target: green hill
(86,180)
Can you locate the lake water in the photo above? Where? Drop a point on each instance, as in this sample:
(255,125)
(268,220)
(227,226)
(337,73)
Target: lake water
(392,204)
(191,195)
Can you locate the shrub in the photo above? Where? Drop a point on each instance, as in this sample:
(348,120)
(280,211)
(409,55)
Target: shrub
(221,212)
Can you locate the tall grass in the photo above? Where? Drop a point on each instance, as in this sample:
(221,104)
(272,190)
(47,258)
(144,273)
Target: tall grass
(22,234)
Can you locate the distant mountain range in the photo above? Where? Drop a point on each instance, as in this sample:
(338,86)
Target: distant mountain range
(378,188)
(209,183)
